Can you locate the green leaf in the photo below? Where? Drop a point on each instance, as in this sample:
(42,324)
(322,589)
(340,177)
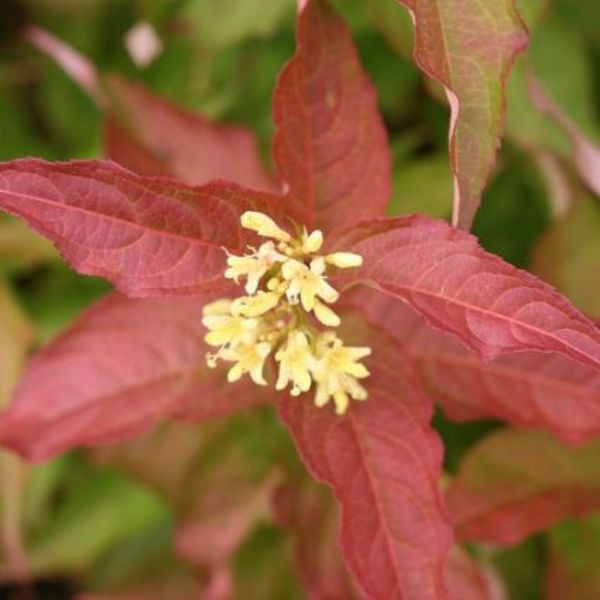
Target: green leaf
(16,337)
(423,185)
(560,61)
(395,25)
(20,247)
(567,255)
(102,511)
(224,23)
(574,549)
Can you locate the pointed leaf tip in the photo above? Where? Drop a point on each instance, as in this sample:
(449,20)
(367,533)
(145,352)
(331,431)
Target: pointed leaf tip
(458,287)
(469,47)
(149,236)
(330,144)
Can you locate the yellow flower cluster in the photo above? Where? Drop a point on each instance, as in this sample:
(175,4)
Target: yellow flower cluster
(286,282)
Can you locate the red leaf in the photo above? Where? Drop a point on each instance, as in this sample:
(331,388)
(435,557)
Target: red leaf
(330,146)
(149,236)
(469,47)
(448,278)
(468,580)
(123,366)
(383,462)
(515,483)
(229,506)
(150,135)
(529,389)
(308,509)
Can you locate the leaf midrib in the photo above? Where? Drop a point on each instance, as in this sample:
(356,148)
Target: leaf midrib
(121,221)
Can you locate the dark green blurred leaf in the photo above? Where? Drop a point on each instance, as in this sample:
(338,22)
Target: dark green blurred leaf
(262,568)
(21,248)
(70,115)
(525,125)
(102,511)
(514,212)
(459,437)
(574,549)
(568,255)
(559,59)
(19,135)
(521,569)
(16,337)
(54,295)
(423,185)
(395,24)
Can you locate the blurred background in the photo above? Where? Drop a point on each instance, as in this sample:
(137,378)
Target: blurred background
(102,522)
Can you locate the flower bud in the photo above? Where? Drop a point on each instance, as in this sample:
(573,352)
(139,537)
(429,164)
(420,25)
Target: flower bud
(344,260)
(264,226)
(313,242)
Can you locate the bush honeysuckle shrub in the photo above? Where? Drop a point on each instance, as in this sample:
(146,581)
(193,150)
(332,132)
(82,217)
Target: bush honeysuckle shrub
(338,297)
(275,319)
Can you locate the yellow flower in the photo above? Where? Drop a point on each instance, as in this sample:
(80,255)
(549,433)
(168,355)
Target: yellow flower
(336,372)
(325,315)
(225,328)
(248,359)
(218,307)
(294,360)
(255,306)
(264,226)
(285,279)
(253,266)
(312,243)
(306,283)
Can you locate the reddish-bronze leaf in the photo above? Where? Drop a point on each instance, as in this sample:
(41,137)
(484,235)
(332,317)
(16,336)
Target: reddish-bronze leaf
(330,146)
(383,462)
(309,511)
(121,367)
(528,389)
(469,47)
(228,507)
(152,136)
(149,236)
(515,483)
(448,278)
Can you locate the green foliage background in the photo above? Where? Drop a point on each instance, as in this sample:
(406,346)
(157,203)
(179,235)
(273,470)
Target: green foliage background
(100,528)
